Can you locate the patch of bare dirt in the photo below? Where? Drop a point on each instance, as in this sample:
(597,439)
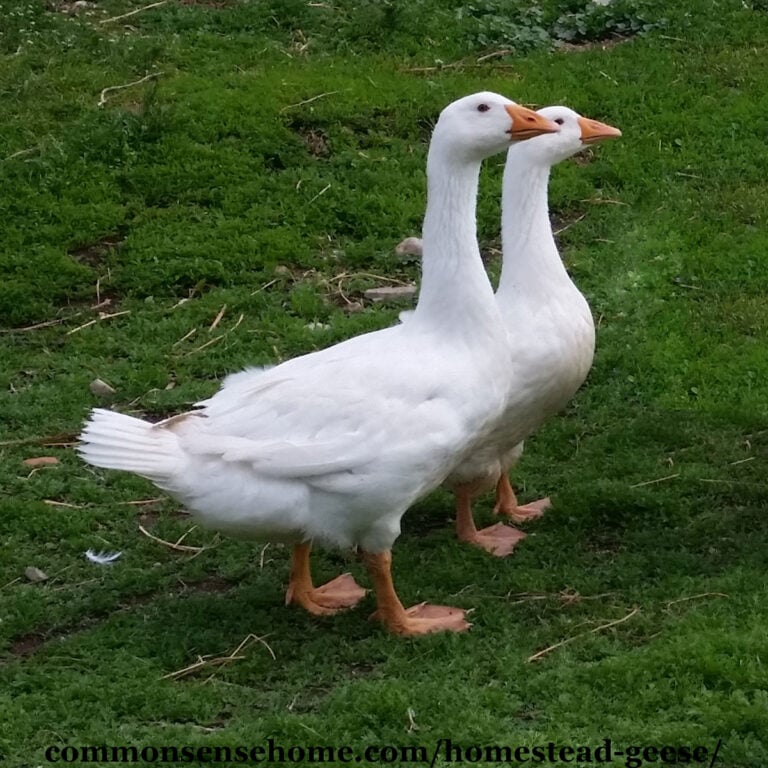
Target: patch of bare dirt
(27,644)
(316,142)
(585,157)
(95,254)
(563,220)
(490,251)
(603,543)
(315,139)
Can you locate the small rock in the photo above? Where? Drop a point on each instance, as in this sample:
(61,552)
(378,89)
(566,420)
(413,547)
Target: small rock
(101,388)
(317,326)
(41,461)
(411,246)
(282,270)
(390,292)
(35,574)
(353,307)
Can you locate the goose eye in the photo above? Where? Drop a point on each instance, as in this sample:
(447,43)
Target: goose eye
(482,107)
(559,121)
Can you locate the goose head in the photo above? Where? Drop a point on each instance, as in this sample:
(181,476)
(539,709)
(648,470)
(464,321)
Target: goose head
(484,124)
(575,133)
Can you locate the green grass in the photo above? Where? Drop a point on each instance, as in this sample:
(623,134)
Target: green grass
(209,183)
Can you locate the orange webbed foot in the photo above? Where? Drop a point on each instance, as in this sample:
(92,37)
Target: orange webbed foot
(524,513)
(421,619)
(339,594)
(507,506)
(499,540)
(424,619)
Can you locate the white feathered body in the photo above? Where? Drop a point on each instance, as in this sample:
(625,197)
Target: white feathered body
(549,322)
(332,446)
(548,366)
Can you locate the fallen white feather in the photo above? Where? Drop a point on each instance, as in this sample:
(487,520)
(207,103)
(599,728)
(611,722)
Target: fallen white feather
(102,558)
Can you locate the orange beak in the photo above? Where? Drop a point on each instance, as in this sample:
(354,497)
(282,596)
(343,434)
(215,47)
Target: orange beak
(526,123)
(593,131)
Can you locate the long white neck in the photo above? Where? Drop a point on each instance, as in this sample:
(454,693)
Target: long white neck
(455,293)
(531,266)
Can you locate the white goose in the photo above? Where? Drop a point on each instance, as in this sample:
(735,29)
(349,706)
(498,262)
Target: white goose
(550,325)
(334,446)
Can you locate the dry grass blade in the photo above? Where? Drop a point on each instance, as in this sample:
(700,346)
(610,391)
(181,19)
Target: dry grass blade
(102,316)
(539,654)
(309,101)
(204,662)
(134,12)
(565,596)
(321,192)
(493,55)
(65,587)
(212,327)
(526,597)
(569,225)
(184,535)
(36,326)
(696,597)
(20,152)
(177,546)
(201,663)
(207,344)
(54,503)
(347,275)
(217,319)
(186,336)
(265,286)
(657,480)
(110,88)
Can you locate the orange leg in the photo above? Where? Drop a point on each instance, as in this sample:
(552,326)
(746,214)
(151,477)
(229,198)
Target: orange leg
(499,539)
(418,620)
(341,593)
(506,503)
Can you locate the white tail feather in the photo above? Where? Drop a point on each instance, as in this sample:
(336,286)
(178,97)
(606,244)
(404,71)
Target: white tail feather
(116,441)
